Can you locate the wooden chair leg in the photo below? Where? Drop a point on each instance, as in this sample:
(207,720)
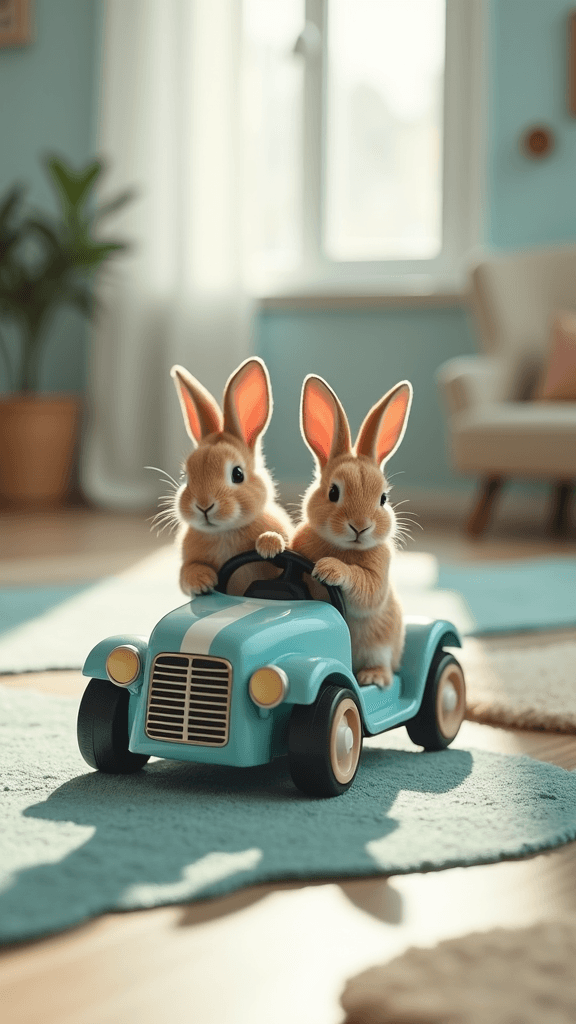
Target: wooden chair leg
(560,512)
(489,490)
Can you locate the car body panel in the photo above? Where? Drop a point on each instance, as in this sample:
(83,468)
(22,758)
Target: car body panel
(308,639)
(248,633)
(95,665)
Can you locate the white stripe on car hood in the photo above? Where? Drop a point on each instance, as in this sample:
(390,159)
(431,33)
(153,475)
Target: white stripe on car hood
(199,636)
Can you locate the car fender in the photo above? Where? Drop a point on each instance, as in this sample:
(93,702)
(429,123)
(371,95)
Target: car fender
(306,675)
(423,638)
(95,664)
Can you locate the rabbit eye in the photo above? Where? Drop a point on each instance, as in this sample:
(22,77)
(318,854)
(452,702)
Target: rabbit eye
(237,475)
(334,493)
(383,498)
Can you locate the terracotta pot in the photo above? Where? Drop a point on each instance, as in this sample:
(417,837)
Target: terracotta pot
(38,436)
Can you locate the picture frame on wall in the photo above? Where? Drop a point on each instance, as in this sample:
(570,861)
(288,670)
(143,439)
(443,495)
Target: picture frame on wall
(15,22)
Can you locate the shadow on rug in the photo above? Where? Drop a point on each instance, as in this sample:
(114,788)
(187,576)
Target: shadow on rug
(75,843)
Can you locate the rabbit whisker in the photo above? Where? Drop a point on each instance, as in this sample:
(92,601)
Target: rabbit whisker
(410,523)
(166,473)
(156,520)
(161,523)
(169,512)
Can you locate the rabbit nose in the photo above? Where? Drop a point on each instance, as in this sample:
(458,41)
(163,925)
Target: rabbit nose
(204,510)
(358,532)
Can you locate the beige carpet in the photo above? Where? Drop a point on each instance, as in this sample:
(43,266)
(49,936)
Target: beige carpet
(524,681)
(503,976)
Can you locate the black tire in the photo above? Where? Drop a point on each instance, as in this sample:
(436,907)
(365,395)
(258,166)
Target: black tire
(313,756)
(103,729)
(434,727)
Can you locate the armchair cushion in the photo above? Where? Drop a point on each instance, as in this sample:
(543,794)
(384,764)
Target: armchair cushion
(516,439)
(559,377)
(514,297)
(468,381)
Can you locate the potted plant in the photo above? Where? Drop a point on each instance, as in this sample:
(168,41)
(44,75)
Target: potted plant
(45,262)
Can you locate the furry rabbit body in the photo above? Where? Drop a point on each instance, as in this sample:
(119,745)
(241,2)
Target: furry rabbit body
(227,503)
(348,526)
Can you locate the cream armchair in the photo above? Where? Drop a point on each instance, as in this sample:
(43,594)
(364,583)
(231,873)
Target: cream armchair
(496,432)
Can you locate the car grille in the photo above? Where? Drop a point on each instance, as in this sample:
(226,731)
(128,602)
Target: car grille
(189,700)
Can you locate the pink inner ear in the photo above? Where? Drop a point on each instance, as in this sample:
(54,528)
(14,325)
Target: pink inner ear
(191,413)
(392,424)
(251,404)
(319,419)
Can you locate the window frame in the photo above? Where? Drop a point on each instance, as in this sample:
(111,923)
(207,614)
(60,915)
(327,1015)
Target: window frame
(461,176)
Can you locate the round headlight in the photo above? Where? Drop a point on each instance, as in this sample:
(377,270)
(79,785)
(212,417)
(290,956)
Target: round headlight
(123,665)
(268,686)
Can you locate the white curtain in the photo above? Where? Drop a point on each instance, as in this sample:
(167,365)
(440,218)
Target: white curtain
(169,125)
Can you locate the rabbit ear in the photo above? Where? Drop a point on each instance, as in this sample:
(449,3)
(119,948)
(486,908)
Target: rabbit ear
(323,421)
(201,413)
(248,401)
(383,429)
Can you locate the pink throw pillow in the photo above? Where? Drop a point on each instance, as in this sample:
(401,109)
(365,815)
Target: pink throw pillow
(559,376)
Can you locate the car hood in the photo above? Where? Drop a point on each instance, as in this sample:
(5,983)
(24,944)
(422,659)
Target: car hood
(227,627)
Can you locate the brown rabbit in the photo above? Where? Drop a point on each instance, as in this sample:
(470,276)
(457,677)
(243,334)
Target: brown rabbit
(348,527)
(226,504)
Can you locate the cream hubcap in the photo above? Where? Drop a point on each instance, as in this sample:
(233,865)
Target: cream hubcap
(451,700)
(345,740)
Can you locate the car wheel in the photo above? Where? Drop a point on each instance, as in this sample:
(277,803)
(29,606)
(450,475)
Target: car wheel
(103,729)
(325,742)
(443,705)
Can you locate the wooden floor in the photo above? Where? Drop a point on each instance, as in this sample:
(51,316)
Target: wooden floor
(276,953)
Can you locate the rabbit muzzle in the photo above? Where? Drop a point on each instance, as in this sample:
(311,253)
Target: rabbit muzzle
(360,536)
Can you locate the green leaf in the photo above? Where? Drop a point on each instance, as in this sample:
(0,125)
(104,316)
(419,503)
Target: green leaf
(45,230)
(90,255)
(9,205)
(113,205)
(73,187)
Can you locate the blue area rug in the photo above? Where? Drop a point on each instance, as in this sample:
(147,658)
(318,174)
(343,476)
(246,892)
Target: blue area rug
(76,843)
(515,596)
(22,604)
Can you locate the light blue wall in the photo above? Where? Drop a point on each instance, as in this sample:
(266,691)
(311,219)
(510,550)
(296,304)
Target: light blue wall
(48,91)
(361,355)
(529,202)
(49,100)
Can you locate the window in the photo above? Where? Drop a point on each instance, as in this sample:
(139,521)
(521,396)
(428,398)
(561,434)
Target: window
(358,141)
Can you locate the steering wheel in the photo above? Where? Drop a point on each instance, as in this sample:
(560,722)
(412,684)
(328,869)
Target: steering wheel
(289,586)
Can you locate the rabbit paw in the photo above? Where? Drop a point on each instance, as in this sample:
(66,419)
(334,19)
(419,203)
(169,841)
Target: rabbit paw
(197,579)
(331,571)
(269,544)
(381,675)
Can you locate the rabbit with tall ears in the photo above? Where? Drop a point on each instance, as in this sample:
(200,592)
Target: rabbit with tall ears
(348,526)
(227,501)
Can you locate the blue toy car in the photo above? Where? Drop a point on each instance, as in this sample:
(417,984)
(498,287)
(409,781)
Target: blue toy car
(242,680)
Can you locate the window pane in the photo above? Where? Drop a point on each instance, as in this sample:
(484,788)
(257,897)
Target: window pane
(272,133)
(384,129)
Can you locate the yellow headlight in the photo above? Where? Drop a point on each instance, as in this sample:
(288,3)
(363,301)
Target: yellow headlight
(123,665)
(268,686)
